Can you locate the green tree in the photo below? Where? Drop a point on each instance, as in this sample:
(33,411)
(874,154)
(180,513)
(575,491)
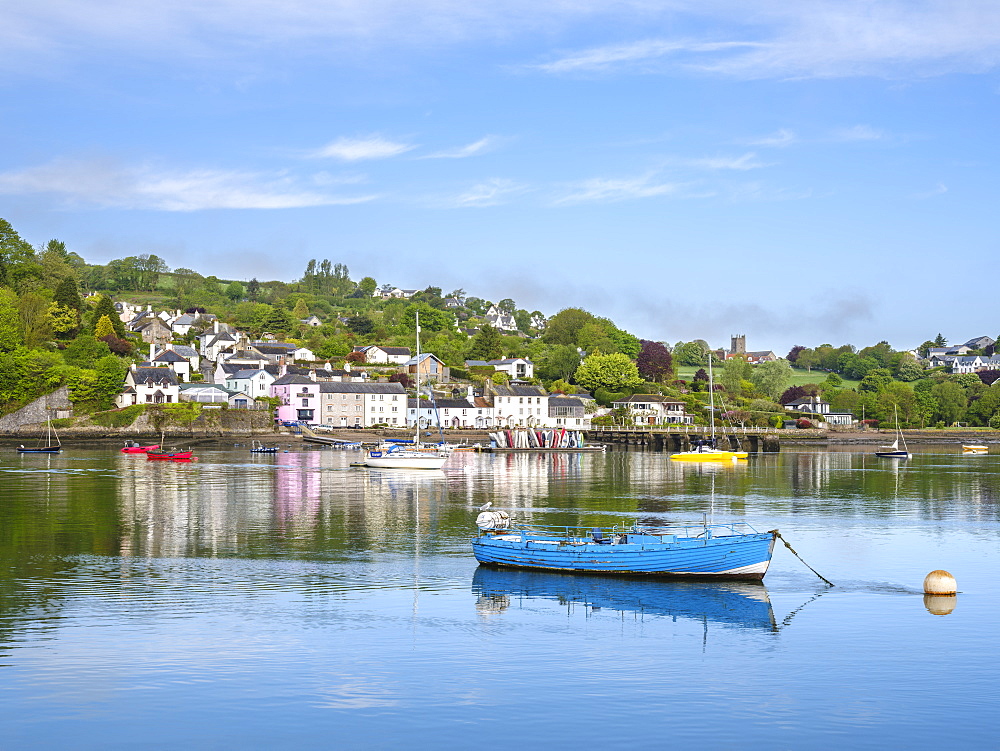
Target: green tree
(103,328)
(235,291)
(33,310)
(485,345)
(368,286)
(734,371)
(18,264)
(253,289)
(11,336)
(68,294)
(84,351)
(769,378)
(301,310)
(951,401)
(431,319)
(558,362)
(63,321)
(105,307)
(613,372)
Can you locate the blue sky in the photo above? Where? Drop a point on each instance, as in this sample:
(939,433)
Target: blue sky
(801,173)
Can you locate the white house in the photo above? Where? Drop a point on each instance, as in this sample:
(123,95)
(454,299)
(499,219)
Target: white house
(313,321)
(520,406)
(653,409)
(518,368)
(445,413)
(568,412)
(378,355)
(170,359)
(500,320)
(255,382)
(149,385)
(362,404)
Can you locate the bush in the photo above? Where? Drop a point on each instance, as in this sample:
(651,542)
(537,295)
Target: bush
(460,373)
(62,422)
(803,423)
(119,418)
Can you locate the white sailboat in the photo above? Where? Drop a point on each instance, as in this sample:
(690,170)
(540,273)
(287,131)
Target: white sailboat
(407,456)
(893,451)
(706,451)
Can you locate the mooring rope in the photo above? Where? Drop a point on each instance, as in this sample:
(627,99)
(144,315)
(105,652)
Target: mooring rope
(778,535)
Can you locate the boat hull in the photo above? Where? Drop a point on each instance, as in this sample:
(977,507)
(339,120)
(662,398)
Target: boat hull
(138,449)
(52,450)
(708,456)
(181,455)
(735,557)
(387,460)
(893,454)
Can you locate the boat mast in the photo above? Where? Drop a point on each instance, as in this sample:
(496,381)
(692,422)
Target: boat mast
(416,421)
(711,398)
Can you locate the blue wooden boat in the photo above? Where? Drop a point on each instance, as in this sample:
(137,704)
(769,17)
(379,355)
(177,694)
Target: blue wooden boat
(707,551)
(741,605)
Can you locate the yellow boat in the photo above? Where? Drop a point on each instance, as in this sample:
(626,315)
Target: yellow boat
(706,454)
(969,449)
(705,451)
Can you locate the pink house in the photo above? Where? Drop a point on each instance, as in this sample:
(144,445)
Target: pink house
(299,398)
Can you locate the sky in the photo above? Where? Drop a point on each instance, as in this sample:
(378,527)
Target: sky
(801,173)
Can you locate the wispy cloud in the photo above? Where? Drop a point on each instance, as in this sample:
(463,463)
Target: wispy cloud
(489,193)
(859,133)
(758,191)
(782,137)
(105,184)
(823,39)
(941,189)
(482,146)
(632,55)
(745,162)
(358,149)
(607,190)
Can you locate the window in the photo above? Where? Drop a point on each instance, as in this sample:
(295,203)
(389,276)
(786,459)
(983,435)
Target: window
(305,402)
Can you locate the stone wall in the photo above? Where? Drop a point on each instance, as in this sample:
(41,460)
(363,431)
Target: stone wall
(54,405)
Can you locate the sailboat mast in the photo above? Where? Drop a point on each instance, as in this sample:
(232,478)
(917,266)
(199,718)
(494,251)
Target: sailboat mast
(711,398)
(416,422)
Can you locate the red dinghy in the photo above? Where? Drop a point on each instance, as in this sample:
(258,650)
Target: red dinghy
(131,447)
(175,455)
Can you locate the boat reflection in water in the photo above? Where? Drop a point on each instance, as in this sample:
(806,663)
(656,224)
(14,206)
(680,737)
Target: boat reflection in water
(741,605)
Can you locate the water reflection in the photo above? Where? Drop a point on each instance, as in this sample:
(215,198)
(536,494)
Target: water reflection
(740,605)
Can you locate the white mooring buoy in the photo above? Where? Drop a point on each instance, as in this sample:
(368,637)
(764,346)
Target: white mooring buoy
(940,583)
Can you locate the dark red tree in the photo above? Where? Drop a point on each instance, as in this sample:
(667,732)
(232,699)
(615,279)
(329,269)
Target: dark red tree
(791,394)
(654,361)
(118,346)
(989,377)
(401,378)
(793,353)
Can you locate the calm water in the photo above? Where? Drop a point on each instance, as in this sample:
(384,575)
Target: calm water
(286,600)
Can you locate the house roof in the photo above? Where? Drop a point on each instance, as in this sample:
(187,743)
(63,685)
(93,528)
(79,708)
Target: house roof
(184,351)
(642,398)
(333,387)
(502,390)
(441,404)
(423,356)
(168,355)
(290,378)
(565,401)
(247,374)
(142,373)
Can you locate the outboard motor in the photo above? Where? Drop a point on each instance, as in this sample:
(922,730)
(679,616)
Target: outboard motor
(493,520)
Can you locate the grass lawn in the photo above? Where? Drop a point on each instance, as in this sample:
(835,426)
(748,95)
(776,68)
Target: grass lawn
(799,377)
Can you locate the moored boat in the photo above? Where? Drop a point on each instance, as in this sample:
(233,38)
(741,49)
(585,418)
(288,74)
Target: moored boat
(708,551)
(133,447)
(52,442)
(705,450)
(174,455)
(893,451)
(260,448)
(395,457)
(974,449)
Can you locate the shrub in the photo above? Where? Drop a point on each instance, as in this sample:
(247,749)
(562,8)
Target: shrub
(803,422)
(119,418)
(62,422)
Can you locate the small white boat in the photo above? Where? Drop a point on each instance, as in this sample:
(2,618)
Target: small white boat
(396,457)
(893,451)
